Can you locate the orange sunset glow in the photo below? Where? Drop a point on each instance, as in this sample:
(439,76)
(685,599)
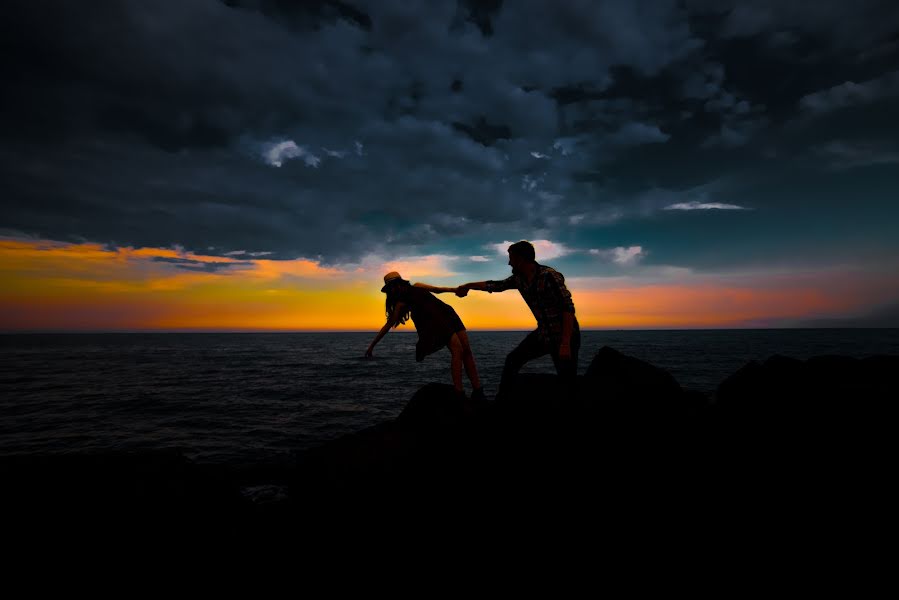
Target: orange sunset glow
(80,287)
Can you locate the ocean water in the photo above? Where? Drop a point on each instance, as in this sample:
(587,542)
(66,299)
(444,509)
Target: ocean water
(250,398)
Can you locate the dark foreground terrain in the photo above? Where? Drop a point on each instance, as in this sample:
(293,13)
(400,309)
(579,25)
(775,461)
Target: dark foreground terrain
(800,448)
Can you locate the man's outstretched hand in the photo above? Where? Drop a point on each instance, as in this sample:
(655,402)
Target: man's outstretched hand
(461,291)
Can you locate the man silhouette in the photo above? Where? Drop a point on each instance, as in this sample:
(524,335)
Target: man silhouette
(557,334)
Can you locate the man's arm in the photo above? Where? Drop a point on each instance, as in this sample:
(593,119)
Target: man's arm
(462,290)
(487,286)
(563,297)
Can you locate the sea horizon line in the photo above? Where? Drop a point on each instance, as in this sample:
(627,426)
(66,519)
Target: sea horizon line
(402,331)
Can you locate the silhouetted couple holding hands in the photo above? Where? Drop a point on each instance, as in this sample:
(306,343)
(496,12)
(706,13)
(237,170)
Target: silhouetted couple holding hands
(543,289)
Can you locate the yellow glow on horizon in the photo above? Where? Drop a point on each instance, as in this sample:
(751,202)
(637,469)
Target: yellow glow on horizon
(704,305)
(61,286)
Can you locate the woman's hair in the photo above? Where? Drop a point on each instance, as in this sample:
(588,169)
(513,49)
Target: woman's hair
(396,292)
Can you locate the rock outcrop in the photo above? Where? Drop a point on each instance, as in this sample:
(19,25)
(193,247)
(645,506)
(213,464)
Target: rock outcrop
(628,438)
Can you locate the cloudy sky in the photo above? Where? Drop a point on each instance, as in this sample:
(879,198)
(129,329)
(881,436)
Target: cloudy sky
(229,164)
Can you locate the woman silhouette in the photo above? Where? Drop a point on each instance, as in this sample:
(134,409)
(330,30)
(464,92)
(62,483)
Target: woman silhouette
(437,323)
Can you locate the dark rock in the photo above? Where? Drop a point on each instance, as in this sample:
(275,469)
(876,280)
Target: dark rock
(535,395)
(820,426)
(628,386)
(828,388)
(616,371)
(880,375)
(117,493)
(434,407)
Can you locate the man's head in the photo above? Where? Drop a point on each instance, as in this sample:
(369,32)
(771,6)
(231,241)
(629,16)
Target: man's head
(521,254)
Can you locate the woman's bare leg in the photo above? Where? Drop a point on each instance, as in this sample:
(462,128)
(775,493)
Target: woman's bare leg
(471,369)
(456,352)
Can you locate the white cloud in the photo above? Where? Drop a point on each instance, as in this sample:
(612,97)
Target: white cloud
(539,155)
(276,154)
(621,255)
(544,249)
(695,205)
(410,267)
(627,256)
(245,253)
(478,259)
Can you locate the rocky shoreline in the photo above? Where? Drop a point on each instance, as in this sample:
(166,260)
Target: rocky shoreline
(631,443)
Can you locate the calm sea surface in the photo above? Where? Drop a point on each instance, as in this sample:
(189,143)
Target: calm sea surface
(249,398)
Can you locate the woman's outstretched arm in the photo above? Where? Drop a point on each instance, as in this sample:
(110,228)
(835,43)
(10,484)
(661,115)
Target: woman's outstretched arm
(393,319)
(435,289)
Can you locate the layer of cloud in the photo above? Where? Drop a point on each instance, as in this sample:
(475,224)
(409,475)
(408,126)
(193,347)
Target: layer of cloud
(339,130)
(696,205)
(639,133)
(384,77)
(277,153)
(207,266)
(543,249)
(621,255)
(847,25)
(850,93)
(846,155)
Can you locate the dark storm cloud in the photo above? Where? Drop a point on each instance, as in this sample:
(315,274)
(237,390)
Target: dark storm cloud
(188,264)
(851,93)
(841,155)
(479,12)
(483,132)
(331,129)
(306,14)
(844,25)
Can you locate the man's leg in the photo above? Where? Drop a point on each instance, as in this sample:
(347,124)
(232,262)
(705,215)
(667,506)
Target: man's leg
(567,369)
(530,348)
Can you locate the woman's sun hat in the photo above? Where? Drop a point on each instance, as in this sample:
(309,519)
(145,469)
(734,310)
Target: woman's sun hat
(389,278)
